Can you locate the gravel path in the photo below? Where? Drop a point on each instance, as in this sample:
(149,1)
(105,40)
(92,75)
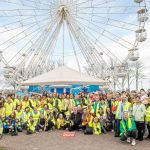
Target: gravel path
(55,141)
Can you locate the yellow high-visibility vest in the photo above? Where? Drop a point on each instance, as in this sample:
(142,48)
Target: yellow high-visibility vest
(2,113)
(60,123)
(33,102)
(126,108)
(25,117)
(50,106)
(36,116)
(9,108)
(18,114)
(97,128)
(31,126)
(91,121)
(147,118)
(25,104)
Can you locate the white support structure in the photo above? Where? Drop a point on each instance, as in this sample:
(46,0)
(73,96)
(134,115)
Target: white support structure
(92,27)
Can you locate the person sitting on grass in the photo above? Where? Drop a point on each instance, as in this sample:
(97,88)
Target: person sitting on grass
(128,129)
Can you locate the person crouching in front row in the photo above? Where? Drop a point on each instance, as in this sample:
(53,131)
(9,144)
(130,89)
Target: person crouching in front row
(68,122)
(31,126)
(96,126)
(60,122)
(128,129)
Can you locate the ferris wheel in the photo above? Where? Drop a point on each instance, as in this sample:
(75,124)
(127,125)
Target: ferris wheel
(34,34)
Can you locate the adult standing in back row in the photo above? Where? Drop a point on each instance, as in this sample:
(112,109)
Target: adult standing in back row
(139,112)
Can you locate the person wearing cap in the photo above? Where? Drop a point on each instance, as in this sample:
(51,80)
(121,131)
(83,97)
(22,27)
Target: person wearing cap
(139,112)
(147,117)
(128,129)
(123,105)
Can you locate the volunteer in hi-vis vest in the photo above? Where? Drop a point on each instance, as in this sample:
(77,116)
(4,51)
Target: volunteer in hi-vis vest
(147,117)
(139,111)
(123,105)
(128,129)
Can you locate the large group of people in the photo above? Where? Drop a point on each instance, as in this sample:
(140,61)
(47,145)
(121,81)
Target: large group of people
(125,113)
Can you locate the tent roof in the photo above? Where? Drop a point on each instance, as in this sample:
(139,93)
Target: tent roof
(62,76)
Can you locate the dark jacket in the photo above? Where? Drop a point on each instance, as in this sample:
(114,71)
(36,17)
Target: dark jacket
(76,118)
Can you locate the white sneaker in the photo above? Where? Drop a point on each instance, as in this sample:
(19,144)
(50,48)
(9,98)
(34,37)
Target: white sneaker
(133,142)
(128,140)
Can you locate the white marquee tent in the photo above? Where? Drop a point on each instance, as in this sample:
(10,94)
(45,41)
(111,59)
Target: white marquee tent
(62,76)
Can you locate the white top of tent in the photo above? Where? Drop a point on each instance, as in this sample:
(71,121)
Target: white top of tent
(63,76)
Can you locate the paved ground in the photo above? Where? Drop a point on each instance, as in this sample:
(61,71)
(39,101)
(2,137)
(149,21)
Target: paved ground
(55,141)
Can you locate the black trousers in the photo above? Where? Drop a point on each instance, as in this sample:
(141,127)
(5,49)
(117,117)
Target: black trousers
(50,125)
(140,127)
(131,134)
(75,127)
(148,127)
(117,126)
(68,126)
